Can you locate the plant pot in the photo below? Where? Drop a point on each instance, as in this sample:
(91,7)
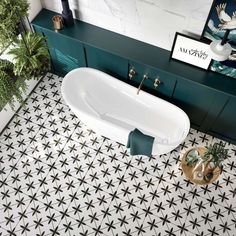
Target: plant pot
(20,28)
(201,173)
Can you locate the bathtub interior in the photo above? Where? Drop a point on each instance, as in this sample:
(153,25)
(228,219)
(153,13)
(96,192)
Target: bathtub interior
(158,123)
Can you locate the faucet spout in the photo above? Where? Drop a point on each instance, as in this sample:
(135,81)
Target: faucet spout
(145,77)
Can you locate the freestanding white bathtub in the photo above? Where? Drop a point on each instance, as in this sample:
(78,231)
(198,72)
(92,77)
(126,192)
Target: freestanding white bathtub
(113,109)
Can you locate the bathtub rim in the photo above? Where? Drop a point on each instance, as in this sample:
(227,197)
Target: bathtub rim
(106,77)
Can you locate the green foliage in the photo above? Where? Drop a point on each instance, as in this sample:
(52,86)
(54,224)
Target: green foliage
(32,59)
(10,91)
(11,11)
(192,158)
(216,153)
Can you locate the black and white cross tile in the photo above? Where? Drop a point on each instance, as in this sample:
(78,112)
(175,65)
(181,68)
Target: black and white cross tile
(58,177)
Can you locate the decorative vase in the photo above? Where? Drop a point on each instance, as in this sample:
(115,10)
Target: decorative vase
(57,22)
(67,13)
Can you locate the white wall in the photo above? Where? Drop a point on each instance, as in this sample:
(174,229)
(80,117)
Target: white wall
(34,9)
(151,21)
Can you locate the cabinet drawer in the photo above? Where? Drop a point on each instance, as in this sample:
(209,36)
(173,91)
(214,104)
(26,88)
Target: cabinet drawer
(225,123)
(166,87)
(107,62)
(195,99)
(66,53)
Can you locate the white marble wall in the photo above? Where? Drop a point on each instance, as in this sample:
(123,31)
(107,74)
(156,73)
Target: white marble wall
(151,21)
(34,8)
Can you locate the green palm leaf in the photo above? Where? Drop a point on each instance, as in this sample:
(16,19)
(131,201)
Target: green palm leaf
(11,12)
(11,90)
(32,59)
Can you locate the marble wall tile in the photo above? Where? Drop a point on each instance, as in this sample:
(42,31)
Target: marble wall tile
(34,8)
(151,21)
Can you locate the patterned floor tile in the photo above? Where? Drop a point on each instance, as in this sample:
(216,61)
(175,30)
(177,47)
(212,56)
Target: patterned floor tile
(37,109)
(58,177)
(18,134)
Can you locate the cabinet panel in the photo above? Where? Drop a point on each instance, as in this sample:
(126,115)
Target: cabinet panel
(166,87)
(107,62)
(66,53)
(194,99)
(225,123)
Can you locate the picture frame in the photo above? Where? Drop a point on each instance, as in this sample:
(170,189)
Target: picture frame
(215,29)
(191,51)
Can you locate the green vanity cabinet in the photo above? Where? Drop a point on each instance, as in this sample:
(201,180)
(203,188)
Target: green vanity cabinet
(199,102)
(109,63)
(225,123)
(167,81)
(66,53)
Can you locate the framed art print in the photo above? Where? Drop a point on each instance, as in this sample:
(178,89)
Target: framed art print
(222,16)
(191,51)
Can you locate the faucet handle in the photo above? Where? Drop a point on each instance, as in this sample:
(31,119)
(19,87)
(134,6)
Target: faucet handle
(145,76)
(132,73)
(157,82)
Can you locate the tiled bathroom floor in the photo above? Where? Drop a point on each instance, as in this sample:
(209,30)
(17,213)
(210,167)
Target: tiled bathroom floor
(57,177)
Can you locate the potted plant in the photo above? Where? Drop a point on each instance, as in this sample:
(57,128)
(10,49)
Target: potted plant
(11,14)
(203,165)
(31,56)
(11,89)
(215,155)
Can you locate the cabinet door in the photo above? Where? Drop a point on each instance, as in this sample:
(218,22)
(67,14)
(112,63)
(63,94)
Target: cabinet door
(109,63)
(167,81)
(198,102)
(66,53)
(225,123)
